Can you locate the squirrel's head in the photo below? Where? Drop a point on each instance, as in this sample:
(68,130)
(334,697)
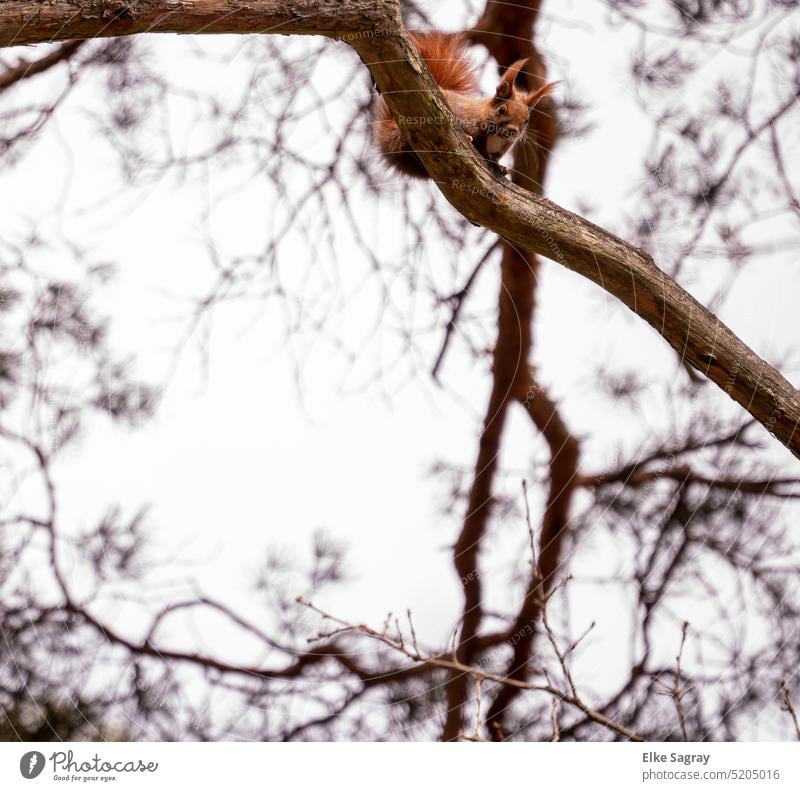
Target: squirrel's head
(510,111)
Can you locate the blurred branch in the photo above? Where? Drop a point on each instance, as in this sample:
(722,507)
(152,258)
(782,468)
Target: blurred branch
(457,300)
(512,380)
(683,473)
(27,68)
(562,471)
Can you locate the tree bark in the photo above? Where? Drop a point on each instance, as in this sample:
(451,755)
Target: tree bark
(374,30)
(38,21)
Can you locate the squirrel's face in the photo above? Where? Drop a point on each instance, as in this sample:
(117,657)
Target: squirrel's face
(509,112)
(506,124)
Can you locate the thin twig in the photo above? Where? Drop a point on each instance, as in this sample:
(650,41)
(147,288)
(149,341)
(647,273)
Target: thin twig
(675,691)
(448,663)
(789,706)
(556,737)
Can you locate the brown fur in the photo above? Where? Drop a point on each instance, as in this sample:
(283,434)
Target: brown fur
(495,125)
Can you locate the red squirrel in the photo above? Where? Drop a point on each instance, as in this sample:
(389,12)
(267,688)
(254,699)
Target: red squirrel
(495,124)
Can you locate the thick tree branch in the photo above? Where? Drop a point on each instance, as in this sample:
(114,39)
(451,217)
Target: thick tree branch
(34,21)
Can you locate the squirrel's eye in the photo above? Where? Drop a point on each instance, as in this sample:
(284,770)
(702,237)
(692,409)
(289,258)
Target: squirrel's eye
(501,110)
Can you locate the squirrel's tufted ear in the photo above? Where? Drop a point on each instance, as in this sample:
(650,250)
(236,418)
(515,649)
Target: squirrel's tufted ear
(506,85)
(532,98)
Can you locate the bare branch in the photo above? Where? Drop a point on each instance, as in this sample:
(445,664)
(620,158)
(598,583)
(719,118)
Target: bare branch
(478,674)
(674,690)
(789,706)
(28,68)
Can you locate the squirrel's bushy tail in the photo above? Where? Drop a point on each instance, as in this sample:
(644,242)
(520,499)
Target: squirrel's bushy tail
(447,58)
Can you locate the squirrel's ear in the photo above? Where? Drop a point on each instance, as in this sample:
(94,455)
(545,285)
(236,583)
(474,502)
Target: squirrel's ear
(532,98)
(506,85)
